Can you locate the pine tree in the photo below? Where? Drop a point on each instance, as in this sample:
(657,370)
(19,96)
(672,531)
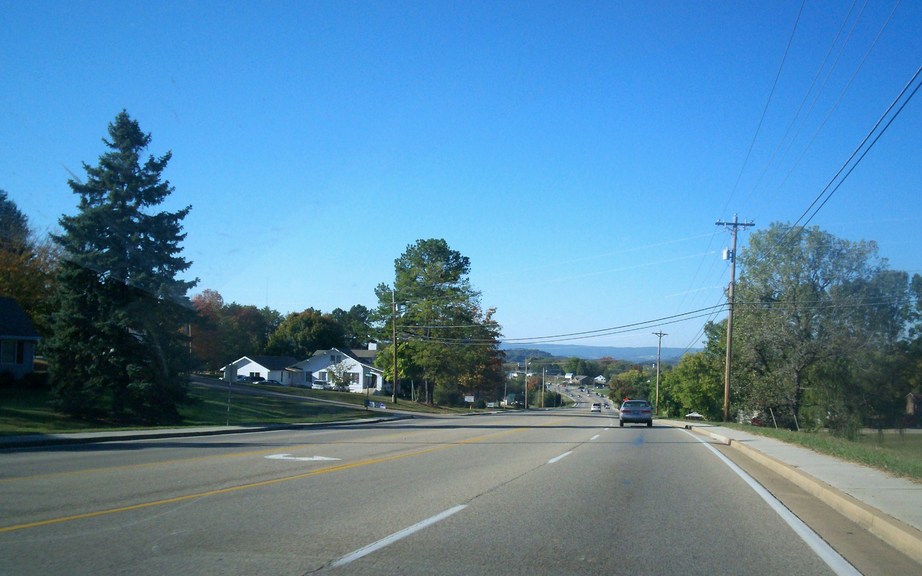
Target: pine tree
(118,348)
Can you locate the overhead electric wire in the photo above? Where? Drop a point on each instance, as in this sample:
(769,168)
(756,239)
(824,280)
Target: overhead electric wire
(822,87)
(755,135)
(856,152)
(778,148)
(721,306)
(474,341)
(868,149)
(588,333)
(768,102)
(844,90)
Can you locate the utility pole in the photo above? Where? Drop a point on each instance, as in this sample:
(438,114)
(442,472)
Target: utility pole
(543,385)
(394,310)
(526,383)
(659,348)
(734,226)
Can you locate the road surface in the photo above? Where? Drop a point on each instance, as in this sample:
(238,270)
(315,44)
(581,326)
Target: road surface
(530,493)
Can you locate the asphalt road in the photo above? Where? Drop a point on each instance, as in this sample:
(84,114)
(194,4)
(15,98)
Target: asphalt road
(564,492)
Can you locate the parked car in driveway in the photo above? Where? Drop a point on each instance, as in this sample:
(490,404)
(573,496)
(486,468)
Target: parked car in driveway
(636,412)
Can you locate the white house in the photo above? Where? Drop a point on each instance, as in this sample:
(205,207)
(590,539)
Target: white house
(356,366)
(18,339)
(266,367)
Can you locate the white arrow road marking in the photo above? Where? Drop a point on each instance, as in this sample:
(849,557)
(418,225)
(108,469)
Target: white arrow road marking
(299,458)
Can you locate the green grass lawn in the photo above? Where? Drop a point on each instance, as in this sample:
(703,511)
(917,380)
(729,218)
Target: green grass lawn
(897,453)
(30,411)
(211,407)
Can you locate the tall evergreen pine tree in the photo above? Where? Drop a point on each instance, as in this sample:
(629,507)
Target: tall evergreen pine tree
(117,349)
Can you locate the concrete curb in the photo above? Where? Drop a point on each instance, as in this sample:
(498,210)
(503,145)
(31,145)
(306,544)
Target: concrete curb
(900,535)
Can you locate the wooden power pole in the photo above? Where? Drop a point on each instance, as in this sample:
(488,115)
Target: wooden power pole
(733,226)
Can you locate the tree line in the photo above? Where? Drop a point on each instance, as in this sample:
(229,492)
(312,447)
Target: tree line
(121,334)
(223,332)
(825,336)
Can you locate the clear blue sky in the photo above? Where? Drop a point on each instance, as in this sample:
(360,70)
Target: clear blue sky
(579,153)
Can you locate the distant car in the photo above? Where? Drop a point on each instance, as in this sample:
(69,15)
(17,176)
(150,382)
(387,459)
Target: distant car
(272,382)
(318,386)
(636,412)
(694,416)
(596,407)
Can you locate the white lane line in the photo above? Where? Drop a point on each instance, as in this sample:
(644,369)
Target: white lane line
(559,458)
(300,458)
(833,559)
(596,437)
(388,540)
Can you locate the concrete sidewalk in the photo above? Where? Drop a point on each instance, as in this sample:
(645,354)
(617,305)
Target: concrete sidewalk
(887,506)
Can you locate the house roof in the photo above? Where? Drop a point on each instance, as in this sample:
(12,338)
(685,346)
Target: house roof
(363,354)
(360,356)
(272,362)
(14,322)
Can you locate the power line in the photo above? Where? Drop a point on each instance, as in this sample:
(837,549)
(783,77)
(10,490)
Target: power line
(868,149)
(771,94)
(631,327)
(858,150)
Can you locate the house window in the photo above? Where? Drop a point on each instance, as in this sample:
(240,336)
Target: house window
(322,376)
(336,358)
(353,377)
(11,352)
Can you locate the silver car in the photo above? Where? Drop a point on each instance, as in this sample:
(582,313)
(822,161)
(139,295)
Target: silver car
(636,412)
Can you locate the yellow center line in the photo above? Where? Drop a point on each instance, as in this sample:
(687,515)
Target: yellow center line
(260,484)
(249,453)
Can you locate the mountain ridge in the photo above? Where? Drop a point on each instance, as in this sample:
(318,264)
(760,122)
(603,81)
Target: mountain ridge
(639,354)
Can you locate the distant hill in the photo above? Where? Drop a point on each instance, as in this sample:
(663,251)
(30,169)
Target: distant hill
(643,354)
